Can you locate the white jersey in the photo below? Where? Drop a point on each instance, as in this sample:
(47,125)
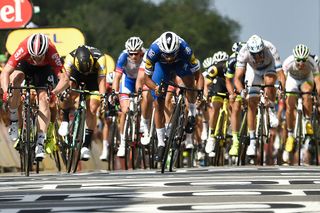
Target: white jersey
(271,58)
(290,68)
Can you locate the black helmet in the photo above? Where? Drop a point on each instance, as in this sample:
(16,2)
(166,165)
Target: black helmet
(83,60)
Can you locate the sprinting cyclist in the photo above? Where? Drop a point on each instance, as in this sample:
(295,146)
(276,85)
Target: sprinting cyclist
(234,99)
(215,83)
(168,56)
(260,63)
(302,75)
(127,68)
(85,65)
(36,58)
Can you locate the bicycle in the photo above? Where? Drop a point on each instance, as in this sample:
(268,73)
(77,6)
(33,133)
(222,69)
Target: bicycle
(134,151)
(114,134)
(28,134)
(75,138)
(299,130)
(176,135)
(220,133)
(315,124)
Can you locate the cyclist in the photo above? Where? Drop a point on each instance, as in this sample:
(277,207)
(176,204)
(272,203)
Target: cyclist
(260,63)
(302,75)
(215,82)
(168,56)
(36,58)
(127,68)
(234,99)
(84,65)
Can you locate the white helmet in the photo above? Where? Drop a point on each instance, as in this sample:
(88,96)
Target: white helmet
(134,44)
(220,56)
(38,44)
(301,51)
(207,62)
(237,46)
(169,42)
(255,44)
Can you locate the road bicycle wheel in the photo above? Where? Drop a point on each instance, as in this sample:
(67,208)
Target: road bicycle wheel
(316,136)
(299,133)
(176,151)
(128,140)
(152,147)
(27,143)
(261,137)
(113,138)
(219,155)
(174,124)
(243,141)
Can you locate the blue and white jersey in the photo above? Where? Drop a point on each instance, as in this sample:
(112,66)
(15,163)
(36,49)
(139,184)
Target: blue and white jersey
(184,55)
(127,66)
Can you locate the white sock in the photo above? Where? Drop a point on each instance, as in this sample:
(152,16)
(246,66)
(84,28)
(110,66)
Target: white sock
(105,143)
(41,137)
(122,140)
(160,135)
(189,137)
(252,134)
(13,114)
(192,109)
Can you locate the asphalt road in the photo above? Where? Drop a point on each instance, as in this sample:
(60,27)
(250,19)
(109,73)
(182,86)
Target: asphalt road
(209,189)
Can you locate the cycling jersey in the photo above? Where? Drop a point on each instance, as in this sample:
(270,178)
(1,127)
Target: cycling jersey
(184,56)
(127,66)
(271,59)
(52,57)
(290,68)
(217,71)
(231,65)
(110,68)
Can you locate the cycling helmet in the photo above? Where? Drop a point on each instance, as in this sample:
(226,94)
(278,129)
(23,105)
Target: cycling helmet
(83,60)
(237,46)
(255,44)
(301,52)
(38,44)
(220,56)
(316,59)
(207,62)
(133,44)
(169,42)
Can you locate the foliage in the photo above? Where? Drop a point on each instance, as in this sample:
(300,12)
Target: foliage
(107,24)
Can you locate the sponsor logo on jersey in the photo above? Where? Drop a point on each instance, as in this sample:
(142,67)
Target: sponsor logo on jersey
(151,53)
(18,53)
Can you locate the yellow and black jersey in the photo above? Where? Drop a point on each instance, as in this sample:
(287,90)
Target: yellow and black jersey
(99,66)
(217,70)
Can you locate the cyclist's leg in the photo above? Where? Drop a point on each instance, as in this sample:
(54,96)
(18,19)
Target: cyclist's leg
(146,111)
(105,130)
(291,100)
(16,78)
(235,125)
(270,78)
(253,99)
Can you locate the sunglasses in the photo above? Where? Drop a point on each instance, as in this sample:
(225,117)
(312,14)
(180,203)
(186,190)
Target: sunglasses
(133,54)
(300,59)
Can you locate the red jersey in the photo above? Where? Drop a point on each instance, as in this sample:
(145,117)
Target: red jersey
(52,57)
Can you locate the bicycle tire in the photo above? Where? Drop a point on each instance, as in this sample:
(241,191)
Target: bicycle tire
(176,152)
(299,136)
(78,132)
(27,143)
(128,142)
(316,135)
(243,141)
(112,141)
(174,122)
(261,137)
(219,139)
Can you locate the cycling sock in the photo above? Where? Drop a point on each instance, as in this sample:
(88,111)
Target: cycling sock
(168,128)
(105,143)
(13,114)
(252,134)
(234,136)
(122,140)
(41,138)
(145,123)
(192,109)
(87,138)
(65,115)
(290,132)
(160,135)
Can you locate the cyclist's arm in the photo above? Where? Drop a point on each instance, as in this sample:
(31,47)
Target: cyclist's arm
(229,86)
(140,80)
(116,81)
(240,71)
(149,82)
(207,83)
(199,80)
(317,82)
(5,77)
(63,83)
(282,78)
